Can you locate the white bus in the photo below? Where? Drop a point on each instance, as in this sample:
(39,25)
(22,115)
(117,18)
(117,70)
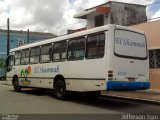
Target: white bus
(110,57)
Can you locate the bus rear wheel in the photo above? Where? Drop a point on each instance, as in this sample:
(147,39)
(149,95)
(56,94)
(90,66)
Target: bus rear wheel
(16,86)
(60,89)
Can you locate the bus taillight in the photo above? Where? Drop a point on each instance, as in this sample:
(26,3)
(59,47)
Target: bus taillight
(110,75)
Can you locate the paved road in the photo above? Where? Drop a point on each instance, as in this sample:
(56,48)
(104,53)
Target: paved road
(37,102)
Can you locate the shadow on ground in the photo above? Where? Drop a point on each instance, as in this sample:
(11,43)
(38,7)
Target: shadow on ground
(118,105)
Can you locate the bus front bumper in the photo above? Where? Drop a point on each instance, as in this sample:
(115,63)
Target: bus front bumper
(124,85)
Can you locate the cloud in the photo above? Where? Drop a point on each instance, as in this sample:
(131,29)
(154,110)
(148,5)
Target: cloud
(80,5)
(156,15)
(35,14)
(55,16)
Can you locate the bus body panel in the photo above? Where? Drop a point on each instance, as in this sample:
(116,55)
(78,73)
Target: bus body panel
(86,75)
(42,75)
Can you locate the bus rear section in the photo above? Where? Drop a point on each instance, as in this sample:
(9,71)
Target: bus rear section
(130,65)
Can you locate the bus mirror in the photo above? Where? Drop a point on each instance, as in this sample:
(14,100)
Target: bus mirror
(7,61)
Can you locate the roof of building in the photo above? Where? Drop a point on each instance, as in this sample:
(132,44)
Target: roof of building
(31,32)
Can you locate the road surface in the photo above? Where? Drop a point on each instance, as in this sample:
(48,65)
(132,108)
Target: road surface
(38,102)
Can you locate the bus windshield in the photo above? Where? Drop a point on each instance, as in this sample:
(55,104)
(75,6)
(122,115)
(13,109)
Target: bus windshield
(130,44)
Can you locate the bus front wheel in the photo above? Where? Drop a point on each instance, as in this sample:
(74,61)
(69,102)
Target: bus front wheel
(60,89)
(16,86)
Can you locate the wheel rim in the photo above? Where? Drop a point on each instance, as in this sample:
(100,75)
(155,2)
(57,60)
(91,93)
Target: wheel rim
(16,85)
(60,89)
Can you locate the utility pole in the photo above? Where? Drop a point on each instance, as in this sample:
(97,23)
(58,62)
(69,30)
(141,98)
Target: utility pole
(28,36)
(8,37)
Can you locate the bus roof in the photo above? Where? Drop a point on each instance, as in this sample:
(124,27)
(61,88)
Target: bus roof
(77,34)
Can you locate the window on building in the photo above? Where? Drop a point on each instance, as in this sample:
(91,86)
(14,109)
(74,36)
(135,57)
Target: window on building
(154,59)
(76,49)
(95,46)
(99,20)
(25,57)
(34,55)
(17,58)
(59,51)
(151,59)
(157,53)
(46,53)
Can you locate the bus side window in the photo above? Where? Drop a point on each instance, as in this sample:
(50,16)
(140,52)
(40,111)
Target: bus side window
(46,55)
(12,60)
(95,46)
(76,49)
(17,58)
(34,55)
(25,57)
(59,51)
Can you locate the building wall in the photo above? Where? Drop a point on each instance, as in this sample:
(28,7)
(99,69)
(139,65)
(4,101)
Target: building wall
(15,36)
(90,21)
(91,18)
(152,30)
(120,14)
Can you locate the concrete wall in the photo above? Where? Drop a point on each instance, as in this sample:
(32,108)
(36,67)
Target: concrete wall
(155,79)
(127,14)
(152,30)
(91,18)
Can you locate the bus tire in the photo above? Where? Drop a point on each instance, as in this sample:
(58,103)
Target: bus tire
(60,89)
(16,86)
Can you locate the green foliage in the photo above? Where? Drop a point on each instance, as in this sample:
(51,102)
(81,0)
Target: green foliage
(2,63)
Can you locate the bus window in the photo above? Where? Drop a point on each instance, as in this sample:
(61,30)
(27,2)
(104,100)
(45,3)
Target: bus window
(76,49)
(17,58)
(59,51)
(130,44)
(34,55)
(95,46)
(25,57)
(46,53)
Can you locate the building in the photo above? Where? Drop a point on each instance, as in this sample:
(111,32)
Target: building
(134,16)
(2,63)
(77,30)
(113,13)
(152,29)
(17,38)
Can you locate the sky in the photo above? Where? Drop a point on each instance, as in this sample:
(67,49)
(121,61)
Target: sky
(55,16)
